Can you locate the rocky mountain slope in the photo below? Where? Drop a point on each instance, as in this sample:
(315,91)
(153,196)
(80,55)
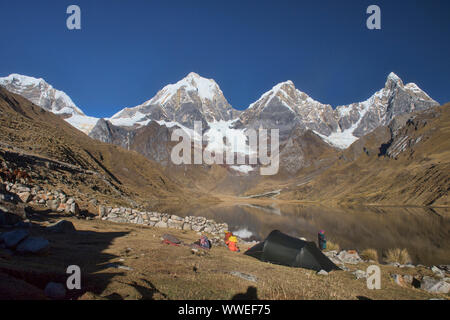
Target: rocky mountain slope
(286,107)
(67,157)
(406,162)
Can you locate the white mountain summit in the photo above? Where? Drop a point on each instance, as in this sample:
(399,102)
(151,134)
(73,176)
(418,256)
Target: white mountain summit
(193,98)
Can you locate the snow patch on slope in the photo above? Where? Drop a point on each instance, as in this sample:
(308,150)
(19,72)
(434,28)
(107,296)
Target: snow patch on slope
(82,123)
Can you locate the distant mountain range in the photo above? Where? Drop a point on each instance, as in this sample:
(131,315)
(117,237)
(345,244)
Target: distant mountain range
(397,155)
(146,128)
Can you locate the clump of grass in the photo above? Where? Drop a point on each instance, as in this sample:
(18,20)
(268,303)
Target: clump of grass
(398,255)
(369,254)
(332,246)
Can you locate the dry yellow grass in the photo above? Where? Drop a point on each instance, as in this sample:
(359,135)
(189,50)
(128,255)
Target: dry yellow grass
(332,246)
(369,254)
(398,255)
(157,271)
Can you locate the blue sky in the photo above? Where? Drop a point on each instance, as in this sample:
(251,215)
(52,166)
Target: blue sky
(128,50)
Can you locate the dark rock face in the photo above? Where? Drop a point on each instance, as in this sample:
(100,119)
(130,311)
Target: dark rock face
(109,133)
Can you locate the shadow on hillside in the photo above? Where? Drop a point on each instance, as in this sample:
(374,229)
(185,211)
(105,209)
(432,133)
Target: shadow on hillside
(85,249)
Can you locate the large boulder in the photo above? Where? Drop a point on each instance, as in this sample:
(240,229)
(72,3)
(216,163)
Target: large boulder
(12,238)
(350,257)
(434,286)
(33,245)
(61,226)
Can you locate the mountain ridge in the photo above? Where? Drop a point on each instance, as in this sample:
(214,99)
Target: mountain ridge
(195,98)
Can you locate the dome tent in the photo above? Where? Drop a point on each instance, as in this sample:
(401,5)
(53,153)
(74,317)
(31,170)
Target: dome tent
(280,248)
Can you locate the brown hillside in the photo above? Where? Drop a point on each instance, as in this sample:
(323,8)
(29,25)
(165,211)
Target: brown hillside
(29,132)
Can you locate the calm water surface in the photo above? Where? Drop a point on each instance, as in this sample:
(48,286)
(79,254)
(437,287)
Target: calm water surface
(424,232)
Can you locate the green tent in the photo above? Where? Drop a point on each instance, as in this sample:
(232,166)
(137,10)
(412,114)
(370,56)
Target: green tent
(279,248)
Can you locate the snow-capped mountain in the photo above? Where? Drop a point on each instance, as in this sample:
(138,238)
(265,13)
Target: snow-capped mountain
(286,107)
(45,96)
(41,93)
(146,128)
(193,98)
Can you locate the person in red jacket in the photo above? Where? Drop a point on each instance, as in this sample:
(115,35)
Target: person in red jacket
(232,244)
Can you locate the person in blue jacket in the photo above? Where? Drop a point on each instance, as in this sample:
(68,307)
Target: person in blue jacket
(322,240)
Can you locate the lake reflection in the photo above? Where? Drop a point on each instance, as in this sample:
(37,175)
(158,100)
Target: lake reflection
(424,232)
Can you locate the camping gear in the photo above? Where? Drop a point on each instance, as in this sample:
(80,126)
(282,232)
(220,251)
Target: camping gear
(322,240)
(202,243)
(205,243)
(232,244)
(279,248)
(170,239)
(228,234)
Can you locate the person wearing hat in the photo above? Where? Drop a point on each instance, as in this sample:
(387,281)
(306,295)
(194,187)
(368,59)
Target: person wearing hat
(322,240)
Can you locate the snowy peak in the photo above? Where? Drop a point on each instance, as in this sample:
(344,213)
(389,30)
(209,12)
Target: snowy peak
(393,79)
(41,93)
(193,98)
(284,107)
(205,89)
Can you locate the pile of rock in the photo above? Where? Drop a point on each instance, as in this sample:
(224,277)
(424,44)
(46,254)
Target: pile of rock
(344,257)
(55,200)
(162,220)
(439,283)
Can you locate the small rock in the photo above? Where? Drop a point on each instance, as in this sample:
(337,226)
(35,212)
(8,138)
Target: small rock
(398,279)
(25,196)
(408,279)
(74,209)
(55,290)
(187,226)
(359,274)
(244,276)
(438,272)
(101,211)
(322,273)
(161,224)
